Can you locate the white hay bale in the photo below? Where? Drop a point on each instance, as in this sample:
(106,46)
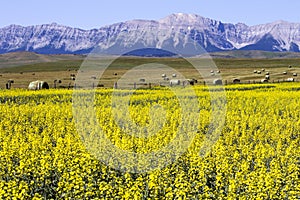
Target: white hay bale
(38,85)
(174,82)
(264,81)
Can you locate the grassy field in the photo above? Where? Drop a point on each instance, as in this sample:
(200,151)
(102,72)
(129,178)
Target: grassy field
(28,67)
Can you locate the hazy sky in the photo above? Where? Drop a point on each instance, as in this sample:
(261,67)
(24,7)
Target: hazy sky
(89,14)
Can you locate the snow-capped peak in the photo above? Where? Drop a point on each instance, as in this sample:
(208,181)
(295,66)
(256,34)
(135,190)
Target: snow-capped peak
(182,19)
(174,31)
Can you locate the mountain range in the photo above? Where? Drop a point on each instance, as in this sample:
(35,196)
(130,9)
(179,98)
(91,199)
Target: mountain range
(174,33)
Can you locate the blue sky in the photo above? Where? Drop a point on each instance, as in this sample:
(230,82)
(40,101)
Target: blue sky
(89,14)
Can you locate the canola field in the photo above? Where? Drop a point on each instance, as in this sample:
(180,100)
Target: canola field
(256,156)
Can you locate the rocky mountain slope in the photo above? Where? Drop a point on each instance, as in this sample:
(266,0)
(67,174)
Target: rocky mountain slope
(175,33)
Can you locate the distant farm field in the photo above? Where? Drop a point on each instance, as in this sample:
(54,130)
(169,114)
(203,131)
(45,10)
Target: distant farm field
(42,154)
(61,67)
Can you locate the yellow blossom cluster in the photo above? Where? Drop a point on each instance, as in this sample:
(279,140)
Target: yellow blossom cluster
(256,156)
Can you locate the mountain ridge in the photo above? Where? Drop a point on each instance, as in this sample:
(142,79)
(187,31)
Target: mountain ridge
(180,33)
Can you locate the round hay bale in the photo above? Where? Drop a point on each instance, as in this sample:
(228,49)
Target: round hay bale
(217,82)
(38,85)
(264,81)
(174,82)
(236,80)
(192,81)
